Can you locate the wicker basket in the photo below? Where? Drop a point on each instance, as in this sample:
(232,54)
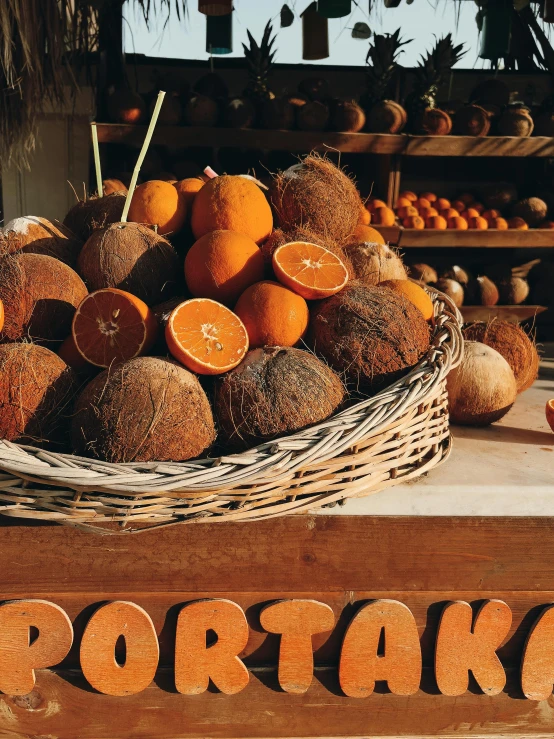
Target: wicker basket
(396,435)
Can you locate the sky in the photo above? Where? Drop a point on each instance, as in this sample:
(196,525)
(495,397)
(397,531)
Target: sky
(419,21)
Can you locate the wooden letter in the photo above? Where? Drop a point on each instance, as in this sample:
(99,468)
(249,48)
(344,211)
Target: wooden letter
(461,648)
(296,621)
(360,663)
(195,662)
(18,657)
(537,668)
(142,652)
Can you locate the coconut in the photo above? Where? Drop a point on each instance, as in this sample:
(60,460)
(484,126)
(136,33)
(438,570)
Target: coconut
(452,288)
(275,391)
(481,291)
(239,113)
(455,272)
(125,106)
(511,341)
(499,196)
(374,263)
(493,92)
(313,116)
(131,257)
(143,410)
(171,112)
(278,114)
(423,273)
(36,235)
(515,122)
(347,116)
(315,88)
(372,334)
(318,196)
(482,388)
(87,215)
(40,295)
(433,122)
(544,124)
(386,116)
(513,292)
(532,210)
(36,391)
(472,120)
(112,185)
(201,111)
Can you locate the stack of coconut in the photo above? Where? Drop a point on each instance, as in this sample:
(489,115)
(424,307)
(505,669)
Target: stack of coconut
(196,325)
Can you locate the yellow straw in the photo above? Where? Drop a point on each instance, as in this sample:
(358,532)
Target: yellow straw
(142,154)
(96,152)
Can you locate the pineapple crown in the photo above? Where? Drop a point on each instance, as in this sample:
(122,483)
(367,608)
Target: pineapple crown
(382,58)
(260,58)
(435,68)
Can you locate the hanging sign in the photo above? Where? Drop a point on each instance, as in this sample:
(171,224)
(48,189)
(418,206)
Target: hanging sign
(381,643)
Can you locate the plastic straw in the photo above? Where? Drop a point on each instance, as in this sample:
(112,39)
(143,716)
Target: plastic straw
(142,154)
(96,151)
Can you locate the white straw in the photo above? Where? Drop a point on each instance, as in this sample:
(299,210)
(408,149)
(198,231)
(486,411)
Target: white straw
(142,154)
(96,151)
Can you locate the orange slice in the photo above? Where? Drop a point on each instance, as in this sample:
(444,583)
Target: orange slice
(309,270)
(111,325)
(206,337)
(550,413)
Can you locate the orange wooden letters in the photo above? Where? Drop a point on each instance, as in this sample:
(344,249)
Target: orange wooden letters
(107,624)
(196,663)
(361,665)
(296,621)
(461,648)
(18,656)
(537,668)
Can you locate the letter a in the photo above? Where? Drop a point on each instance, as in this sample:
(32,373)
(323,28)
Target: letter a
(537,668)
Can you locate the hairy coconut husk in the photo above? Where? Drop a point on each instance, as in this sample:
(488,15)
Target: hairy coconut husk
(88,215)
(171,112)
(422,273)
(279,114)
(315,88)
(493,92)
(143,410)
(371,334)
(239,113)
(499,196)
(347,116)
(36,391)
(482,291)
(455,272)
(201,111)
(112,185)
(275,391)
(513,292)
(374,263)
(131,257)
(313,116)
(482,388)
(544,124)
(452,288)
(510,340)
(125,106)
(515,122)
(316,195)
(532,210)
(472,120)
(386,116)
(36,235)
(40,295)
(433,122)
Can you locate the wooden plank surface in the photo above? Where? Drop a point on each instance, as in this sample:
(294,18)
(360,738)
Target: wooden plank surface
(511,313)
(479,146)
(492,238)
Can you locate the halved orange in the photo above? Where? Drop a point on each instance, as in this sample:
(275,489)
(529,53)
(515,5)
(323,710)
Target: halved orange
(206,337)
(550,413)
(111,325)
(309,270)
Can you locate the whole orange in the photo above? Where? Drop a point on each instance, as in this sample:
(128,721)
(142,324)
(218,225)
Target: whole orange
(428,212)
(409,195)
(273,315)
(442,204)
(372,205)
(157,203)
(518,223)
(232,203)
(187,190)
(407,212)
(383,216)
(478,223)
(430,196)
(457,223)
(403,203)
(436,223)
(416,222)
(365,216)
(414,293)
(500,224)
(449,213)
(221,265)
(366,234)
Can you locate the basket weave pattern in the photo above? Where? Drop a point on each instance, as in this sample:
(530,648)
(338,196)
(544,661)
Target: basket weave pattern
(398,434)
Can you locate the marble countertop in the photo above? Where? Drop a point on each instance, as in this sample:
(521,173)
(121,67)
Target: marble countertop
(506,469)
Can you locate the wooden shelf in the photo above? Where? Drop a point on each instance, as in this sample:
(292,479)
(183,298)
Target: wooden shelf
(512,313)
(305,141)
(409,238)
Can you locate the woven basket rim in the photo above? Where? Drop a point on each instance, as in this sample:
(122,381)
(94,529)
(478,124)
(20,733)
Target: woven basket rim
(269,460)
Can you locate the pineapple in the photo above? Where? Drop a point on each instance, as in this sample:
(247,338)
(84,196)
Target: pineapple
(432,72)
(383,116)
(260,59)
